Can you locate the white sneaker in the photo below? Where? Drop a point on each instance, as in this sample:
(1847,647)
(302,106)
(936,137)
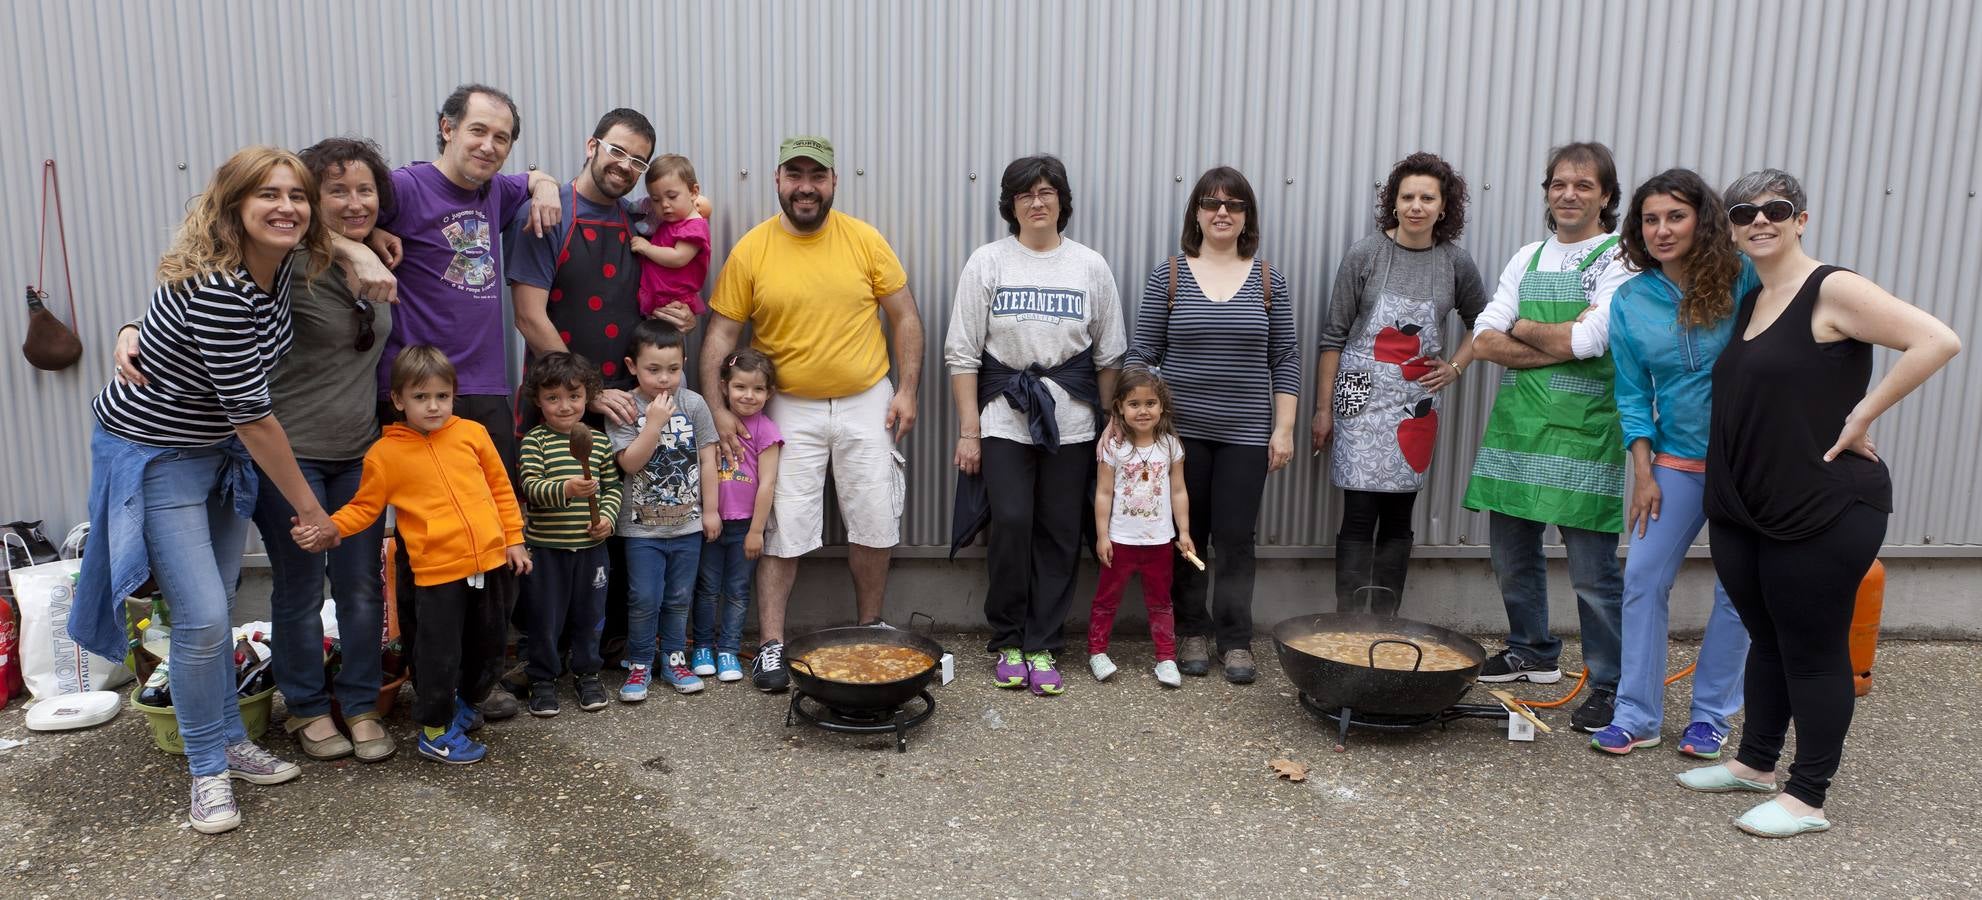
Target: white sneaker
(1167,674)
(1102,667)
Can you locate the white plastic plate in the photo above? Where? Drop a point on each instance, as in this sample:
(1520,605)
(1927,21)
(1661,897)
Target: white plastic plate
(75,711)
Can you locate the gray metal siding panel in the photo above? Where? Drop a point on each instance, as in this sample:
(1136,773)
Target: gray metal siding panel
(1312,100)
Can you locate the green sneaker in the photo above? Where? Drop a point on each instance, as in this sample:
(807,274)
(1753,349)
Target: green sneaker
(1042,676)
(1010,672)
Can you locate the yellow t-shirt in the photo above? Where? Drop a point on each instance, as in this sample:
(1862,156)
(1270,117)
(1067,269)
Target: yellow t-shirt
(814,301)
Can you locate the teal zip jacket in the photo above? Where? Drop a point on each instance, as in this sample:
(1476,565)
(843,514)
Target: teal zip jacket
(1665,370)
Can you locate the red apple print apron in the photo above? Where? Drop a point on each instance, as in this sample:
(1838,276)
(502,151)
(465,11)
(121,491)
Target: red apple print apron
(594,298)
(1385,423)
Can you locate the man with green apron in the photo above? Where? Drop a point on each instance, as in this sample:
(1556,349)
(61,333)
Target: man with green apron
(1553,453)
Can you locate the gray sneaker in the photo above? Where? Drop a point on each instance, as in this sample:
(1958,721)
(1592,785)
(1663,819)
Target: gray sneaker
(1193,655)
(1239,667)
(213,809)
(500,705)
(249,762)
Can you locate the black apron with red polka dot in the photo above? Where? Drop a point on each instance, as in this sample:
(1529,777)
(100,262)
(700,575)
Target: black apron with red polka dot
(594,299)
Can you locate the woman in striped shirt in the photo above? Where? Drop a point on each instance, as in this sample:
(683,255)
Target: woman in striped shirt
(171,487)
(1218,322)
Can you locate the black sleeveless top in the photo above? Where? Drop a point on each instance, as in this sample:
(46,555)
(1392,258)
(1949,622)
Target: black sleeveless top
(1779,402)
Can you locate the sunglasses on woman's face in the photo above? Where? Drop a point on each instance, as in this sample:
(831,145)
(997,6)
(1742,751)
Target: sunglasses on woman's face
(1211,204)
(363,311)
(1775,210)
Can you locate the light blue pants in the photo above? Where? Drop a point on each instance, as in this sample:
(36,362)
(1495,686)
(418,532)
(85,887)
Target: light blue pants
(1649,569)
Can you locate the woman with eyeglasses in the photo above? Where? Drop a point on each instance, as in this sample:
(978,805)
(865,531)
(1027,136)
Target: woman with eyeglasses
(1035,340)
(325,391)
(1797,497)
(1219,322)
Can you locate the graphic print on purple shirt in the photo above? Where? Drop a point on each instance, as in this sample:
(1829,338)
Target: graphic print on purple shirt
(450,285)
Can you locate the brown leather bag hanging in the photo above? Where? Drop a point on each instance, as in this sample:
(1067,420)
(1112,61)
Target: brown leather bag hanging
(51,345)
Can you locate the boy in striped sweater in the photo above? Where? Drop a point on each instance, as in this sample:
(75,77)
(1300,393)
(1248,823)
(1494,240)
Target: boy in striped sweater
(567,517)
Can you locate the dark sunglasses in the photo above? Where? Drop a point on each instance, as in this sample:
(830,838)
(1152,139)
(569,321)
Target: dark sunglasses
(363,311)
(1776,210)
(1211,204)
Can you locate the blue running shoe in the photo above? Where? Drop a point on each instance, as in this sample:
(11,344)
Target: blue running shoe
(453,747)
(703,661)
(467,716)
(1701,741)
(676,673)
(728,668)
(1613,739)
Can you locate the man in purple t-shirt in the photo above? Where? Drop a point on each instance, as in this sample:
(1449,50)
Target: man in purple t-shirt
(448,218)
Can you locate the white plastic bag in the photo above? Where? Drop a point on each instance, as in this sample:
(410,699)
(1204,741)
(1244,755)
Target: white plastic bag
(52,663)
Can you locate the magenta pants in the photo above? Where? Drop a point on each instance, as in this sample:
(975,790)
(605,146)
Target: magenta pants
(1153,564)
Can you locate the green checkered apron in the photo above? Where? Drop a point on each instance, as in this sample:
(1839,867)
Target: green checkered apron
(1553,451)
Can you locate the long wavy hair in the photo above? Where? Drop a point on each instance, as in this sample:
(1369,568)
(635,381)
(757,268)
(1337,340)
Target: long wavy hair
(1712,264)
(212,241)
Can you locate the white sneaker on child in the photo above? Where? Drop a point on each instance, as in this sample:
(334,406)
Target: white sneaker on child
(1167,674)
(1102,667)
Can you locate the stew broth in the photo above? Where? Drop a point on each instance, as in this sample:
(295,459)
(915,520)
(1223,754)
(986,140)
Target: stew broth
(1353,647)
(867,663)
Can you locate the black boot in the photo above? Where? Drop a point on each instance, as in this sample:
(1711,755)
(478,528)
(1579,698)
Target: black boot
(1393,562)
(1352,573)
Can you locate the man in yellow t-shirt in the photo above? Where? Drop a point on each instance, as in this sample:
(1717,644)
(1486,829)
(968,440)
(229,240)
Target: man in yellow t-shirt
(810,282)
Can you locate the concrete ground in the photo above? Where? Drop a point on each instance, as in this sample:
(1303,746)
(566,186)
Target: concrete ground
(1122,789)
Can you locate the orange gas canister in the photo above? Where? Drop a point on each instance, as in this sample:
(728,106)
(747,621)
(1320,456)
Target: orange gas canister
(1865,626)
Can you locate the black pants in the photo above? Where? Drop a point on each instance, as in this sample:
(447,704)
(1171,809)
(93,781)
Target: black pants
(1034,544)
(1225,482)
(453,641)
(563,606)
(1796,599)
(1366,512)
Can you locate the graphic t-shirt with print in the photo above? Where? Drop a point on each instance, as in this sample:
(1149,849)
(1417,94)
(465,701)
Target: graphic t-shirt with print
(1141,515)
(664,498)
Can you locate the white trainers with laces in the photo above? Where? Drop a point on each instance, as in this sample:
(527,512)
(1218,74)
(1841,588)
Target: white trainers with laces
(1167,674)
(1102,667)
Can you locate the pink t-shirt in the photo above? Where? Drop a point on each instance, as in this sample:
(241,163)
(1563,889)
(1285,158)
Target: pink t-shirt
(660,285)
(736,488)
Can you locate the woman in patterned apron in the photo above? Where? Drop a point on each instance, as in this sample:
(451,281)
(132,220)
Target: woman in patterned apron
(1383,349)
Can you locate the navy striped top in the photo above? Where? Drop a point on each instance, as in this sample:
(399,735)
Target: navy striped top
(1224,361)
(206,347)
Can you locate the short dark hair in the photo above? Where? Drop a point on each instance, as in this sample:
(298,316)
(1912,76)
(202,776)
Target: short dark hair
(1019,178)
(655,333)
(1234,185)
(340,152)
(561,369)
(1451,188)
(456,106)
(751,360)
(1587,153)
(627,117)
(418,363)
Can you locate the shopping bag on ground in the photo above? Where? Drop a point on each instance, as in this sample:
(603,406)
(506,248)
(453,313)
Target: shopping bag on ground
(51,662)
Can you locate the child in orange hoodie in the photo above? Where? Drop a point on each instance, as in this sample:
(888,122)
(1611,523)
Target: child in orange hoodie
(464,537)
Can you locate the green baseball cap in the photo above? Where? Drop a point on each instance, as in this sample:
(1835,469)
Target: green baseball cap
(807,146)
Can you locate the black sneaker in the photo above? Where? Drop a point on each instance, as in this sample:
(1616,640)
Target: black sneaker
(591,694)
(767,671)
(543,699)
(1595,712)
(1510,666)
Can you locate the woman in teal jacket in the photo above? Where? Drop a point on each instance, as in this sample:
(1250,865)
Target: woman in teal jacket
(1667,327)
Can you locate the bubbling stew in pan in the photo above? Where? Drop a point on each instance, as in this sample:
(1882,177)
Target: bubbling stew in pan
(867,663)
(1353,647)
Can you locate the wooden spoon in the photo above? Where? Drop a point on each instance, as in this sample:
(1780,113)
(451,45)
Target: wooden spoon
(581,450)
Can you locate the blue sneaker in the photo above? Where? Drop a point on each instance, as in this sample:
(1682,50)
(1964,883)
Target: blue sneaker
(727,667)
(676,673)
(703,661)
(635,688)
(454,747)
(1702,741)
(1613,739)
(467,716)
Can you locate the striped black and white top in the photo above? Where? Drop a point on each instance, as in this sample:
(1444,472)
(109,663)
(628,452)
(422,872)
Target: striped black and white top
(206,347)
(1223,360)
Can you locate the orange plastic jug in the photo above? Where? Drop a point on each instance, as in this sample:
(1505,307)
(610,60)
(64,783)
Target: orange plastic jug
(1865,626)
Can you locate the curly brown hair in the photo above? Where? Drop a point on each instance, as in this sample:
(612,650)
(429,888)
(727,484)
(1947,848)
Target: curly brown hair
(213,241)
(561,369)
(1712,264)
(1451,189)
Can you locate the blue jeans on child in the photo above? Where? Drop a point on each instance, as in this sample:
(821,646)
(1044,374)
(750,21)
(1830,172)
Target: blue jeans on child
(724,580)
(296,603)
(1522,570)
(660,586)
(1649,570)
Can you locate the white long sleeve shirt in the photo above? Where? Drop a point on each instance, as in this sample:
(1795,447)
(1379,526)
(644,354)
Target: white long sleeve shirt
(1588,338)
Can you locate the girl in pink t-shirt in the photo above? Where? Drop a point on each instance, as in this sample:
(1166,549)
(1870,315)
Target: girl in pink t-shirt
(674,262)
(743,499)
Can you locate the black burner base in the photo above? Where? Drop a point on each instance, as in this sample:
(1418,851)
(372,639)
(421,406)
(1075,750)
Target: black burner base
(898,720)
(1347,717)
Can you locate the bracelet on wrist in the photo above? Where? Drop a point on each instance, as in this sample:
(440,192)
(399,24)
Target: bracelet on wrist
(1455,367)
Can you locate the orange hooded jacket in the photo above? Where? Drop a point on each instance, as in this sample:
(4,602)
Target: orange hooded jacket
(457,510)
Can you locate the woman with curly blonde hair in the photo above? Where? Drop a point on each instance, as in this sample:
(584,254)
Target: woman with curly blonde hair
(171,486)
(1667,327)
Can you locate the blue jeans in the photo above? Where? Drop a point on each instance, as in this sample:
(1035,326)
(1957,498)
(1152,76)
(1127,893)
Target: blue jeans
(660,585)
(725,578)
(1522,571)
(1649,569)
(296,603)
(194,540)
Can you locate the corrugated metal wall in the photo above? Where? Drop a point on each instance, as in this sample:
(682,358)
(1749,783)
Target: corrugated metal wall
(1875,105)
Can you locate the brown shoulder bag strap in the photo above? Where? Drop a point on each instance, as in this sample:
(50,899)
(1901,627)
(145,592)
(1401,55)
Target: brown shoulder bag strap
(1174,262)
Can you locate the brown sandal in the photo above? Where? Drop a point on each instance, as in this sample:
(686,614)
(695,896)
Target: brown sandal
(337,746)
(377,749)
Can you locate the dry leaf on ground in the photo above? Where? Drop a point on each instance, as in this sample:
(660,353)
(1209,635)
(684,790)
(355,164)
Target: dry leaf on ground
(1289,769)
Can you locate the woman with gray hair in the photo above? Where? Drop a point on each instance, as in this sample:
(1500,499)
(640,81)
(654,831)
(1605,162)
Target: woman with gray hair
(1797,497)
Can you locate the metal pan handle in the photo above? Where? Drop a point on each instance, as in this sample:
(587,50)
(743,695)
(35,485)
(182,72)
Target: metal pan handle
(1368,594)
(926,630)
(795,662)
(1414,666)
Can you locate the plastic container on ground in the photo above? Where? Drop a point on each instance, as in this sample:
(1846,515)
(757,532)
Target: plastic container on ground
(165,722)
